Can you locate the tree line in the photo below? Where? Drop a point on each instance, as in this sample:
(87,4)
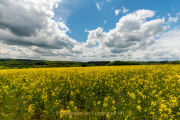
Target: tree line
(27,63)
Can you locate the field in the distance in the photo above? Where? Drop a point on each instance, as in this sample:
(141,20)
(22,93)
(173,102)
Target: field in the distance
(135,92)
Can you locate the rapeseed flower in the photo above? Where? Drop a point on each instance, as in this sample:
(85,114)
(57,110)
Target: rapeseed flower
(31,108)
(104,104)
(99,102)
(113,102)
(71,103)
(139,108)
(150,88)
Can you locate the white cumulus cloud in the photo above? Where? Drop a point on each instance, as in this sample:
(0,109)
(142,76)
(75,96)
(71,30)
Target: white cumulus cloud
(98,5)
(173,19)
(125,10)
(117,11)
(173,9)
(30,23)
(131,32)
(105,21)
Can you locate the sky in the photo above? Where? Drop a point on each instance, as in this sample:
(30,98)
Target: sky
(90,30)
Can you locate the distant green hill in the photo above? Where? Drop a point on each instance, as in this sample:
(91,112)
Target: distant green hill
(28,63)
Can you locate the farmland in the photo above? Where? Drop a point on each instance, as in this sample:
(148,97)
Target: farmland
(136,91)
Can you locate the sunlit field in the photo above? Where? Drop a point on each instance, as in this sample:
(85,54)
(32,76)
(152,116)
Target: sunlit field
(91,93)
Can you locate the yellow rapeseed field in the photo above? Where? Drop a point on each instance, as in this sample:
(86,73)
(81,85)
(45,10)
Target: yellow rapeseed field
(106,92)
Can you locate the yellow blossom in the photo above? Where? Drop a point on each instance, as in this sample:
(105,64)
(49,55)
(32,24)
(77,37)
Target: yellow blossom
(98,102)
(139,108)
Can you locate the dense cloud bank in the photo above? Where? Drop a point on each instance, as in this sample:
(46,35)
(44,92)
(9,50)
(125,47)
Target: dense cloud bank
(29,23)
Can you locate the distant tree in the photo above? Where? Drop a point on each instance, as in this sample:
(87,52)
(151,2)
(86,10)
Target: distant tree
(67,65)
(84,64)
(123,63)
(1,64)
(40,63)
